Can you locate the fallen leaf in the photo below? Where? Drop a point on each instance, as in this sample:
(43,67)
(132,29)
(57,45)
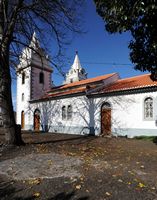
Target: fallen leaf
(141,185)
(78,187)
(34,181)
(108,194)
(49,162)
(36,194)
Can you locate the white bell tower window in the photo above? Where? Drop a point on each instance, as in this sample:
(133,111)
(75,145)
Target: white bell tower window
(23,78)
(22,98)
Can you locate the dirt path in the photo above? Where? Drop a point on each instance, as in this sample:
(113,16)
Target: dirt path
(71,167)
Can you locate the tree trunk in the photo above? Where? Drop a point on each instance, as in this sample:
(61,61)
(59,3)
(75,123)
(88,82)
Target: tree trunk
(12,131)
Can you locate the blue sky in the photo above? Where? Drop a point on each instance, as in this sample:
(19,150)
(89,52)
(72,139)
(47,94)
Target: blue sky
(97,50)
(97,47)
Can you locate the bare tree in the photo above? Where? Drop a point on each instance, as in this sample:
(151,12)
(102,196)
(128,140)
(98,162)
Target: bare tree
(50,19)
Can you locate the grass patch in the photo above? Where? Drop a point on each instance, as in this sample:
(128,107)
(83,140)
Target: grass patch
(147,138)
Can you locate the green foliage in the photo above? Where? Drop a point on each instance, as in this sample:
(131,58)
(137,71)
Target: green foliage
(139,17)
(147,138)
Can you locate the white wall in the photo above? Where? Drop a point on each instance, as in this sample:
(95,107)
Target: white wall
(23,88)
(127,115)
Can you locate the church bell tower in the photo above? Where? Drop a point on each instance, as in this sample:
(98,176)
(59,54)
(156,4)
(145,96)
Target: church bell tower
(33,79)
(76,72)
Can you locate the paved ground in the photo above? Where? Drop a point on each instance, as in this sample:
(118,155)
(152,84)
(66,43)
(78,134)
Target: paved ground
(58,167)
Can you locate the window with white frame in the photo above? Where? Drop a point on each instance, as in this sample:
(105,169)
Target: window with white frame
(148,108)
(66,112)
(69,112)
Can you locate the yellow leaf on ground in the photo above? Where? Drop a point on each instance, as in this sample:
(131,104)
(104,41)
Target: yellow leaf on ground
(34,181)
(36,194)
(78,187)
(49,162)
(141,185)
(108,194)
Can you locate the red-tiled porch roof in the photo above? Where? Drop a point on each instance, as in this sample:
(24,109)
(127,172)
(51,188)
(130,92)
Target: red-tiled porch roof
(136,82)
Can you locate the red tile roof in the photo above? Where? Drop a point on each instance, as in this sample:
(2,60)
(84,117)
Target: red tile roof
(66,92)
(136,82)
(81,83)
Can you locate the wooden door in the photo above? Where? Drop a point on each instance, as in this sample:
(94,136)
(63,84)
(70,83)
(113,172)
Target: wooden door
(36,122)
(22,120)
(106,121)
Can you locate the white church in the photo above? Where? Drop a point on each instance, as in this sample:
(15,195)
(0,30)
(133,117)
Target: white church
(105,105)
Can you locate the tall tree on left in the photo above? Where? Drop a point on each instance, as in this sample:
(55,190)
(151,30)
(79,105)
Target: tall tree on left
(18,20)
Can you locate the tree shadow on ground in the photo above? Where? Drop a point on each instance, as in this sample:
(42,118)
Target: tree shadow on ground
(155,140)
(43,139)
(9,192)
(6,189)
(64,196)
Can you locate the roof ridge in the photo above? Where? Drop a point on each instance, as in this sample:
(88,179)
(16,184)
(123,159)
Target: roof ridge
(134,77)
(90,79)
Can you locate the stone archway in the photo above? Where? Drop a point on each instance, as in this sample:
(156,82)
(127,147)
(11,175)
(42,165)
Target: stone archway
(106,119)
(36,120)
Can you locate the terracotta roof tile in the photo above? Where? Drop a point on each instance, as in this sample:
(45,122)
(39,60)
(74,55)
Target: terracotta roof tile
(136,82)
(141,81)
(82,82)
(71,91)
(89,80)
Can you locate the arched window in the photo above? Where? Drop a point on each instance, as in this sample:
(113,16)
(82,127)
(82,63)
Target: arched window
(69,112)
(148,108)
(106,105)
(23,78)
(63,112)
(41,77)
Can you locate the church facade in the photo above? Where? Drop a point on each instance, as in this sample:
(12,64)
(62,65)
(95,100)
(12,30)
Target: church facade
(104,105)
